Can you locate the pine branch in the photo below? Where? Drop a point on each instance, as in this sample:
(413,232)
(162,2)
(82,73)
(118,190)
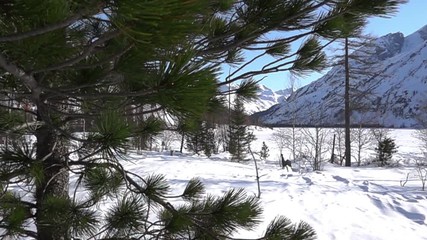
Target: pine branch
(23,233)
(106,60)
(16,109)
(28,80)
(270,68)
(49,28)
(26,125)
(252,37)
(85,53)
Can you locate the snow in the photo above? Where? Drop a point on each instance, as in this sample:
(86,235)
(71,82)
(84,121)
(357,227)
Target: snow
(415,39)
(365,202)
(339,202)
(266,99)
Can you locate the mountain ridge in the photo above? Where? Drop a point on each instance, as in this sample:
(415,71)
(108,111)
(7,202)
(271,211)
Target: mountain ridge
(395,94)
(266,98)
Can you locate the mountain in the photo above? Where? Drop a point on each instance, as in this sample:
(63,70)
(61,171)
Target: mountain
(394,94)
(266,98)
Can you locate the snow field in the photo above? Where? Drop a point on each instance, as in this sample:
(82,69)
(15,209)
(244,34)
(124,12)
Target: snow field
(356,203)
(340,203)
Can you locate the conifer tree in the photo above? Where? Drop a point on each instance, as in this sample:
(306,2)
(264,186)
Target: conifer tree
(209,140)
(201,139)
(349,26)
(194,140)
(264,153)
(103,61)
(239,135)
(385,150)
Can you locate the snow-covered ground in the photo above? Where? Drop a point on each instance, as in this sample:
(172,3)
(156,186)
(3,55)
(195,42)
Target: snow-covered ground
(361,203)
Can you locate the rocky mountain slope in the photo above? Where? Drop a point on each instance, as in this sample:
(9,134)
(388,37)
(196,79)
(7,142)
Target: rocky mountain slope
(266,99)
(392,91)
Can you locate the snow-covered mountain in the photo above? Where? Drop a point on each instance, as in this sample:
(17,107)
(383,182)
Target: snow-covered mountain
(266,99)
(393,95)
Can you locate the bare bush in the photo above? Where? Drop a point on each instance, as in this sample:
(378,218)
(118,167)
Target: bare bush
(288,138)
(421,171)
(421,163)
(379,134)
(362,138)
(167,138)
(340,134)
(315,143)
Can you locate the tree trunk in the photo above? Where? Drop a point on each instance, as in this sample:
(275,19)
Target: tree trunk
(182,142)
(294,143)
(317,151)
(54,183)
(347,107)
(333,150)
(257,177)
(359,156)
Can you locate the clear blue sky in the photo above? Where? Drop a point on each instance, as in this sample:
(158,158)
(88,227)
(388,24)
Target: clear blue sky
(410,17)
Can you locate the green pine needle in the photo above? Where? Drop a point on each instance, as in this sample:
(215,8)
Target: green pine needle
(177,222)
(248,90)
(14,214)
(235,57)
(83,221)
(112,132)
(10,120)
(18,161)
(54,214)
(194,189)
(149,126)
(60,215)
(303,231)
(127,217)
(184,79)
(283,228)
(102,181)
(278,49)
(218,27)
(156,186)
(279,228)
(310,57)
(231,211)
(36,171)
(222,5)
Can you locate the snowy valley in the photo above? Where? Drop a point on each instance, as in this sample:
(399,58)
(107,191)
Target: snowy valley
(126,120)
(366,202)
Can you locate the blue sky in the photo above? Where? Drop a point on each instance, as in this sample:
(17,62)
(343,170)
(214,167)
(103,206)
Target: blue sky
(410,17)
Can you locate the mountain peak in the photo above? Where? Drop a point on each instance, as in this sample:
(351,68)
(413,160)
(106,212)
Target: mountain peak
(266,99)
(389,45)
(415,39)
(391,94)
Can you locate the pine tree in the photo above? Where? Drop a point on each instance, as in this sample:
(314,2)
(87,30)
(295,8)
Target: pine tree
(350,26)
(102,62)
(239,135)
(209,140)
(385,150)
(201,133)
(194,140)
(201,139)
(264,151)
